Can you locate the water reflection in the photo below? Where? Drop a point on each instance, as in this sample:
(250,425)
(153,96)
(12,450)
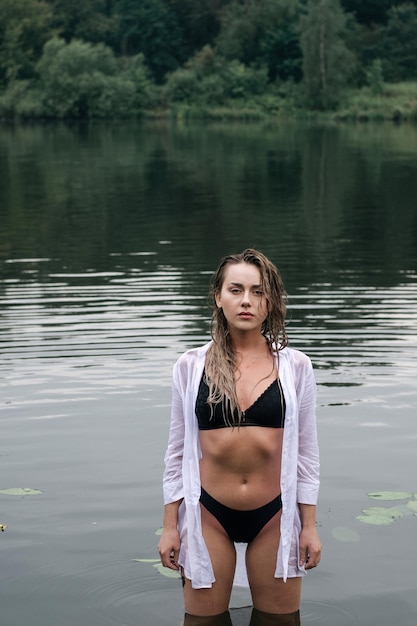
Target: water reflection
(218,620)
(257,618)
(318,200)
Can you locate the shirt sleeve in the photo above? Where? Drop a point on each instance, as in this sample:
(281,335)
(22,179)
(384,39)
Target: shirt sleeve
(308,464)
(173,475)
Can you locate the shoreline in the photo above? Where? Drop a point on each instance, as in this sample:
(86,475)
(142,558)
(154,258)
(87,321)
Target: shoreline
(394,102)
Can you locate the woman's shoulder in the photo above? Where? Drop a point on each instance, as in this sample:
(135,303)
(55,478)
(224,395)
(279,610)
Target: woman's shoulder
(192,356)
(296,358)
(300,366)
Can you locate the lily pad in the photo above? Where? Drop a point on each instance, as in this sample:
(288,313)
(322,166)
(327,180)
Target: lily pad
(379,515)
(156,563)
(20,491)
(412,505)
(345,534)
(389,495)
(165,571)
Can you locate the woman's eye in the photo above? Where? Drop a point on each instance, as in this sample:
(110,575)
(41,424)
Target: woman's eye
(258,292)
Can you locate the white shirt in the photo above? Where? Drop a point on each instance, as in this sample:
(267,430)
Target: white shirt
(299,471)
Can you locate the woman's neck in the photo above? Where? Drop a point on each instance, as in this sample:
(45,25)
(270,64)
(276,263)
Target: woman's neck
(250,345)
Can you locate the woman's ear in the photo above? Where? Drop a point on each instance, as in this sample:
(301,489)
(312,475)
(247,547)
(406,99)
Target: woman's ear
(217,299)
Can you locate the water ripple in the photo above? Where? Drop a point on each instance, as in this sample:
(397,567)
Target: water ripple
(84,320)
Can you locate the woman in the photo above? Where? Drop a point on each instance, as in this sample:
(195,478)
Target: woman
(241,467)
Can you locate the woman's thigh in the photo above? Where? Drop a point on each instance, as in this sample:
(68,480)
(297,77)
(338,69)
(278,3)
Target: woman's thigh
(270,594)
(222,552)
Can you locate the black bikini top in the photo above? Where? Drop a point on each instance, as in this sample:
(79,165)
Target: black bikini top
(268,410)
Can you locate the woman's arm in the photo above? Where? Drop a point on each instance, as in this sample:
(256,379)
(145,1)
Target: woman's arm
(172,478)
(308,464)
(310,545)
(169,544)
(308,471)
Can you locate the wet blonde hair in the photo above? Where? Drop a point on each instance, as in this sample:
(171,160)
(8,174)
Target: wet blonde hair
(221,359)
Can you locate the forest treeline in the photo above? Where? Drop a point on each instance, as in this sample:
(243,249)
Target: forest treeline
(121,58)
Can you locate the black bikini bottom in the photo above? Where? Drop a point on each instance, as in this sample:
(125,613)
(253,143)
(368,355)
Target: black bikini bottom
(241,526)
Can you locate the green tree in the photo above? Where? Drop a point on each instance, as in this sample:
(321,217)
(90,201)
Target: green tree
(80,80)
(263,32)
(239,34)
(327,62)
(383,30)
(89,20)
(370,11)
(399,45)
(366,44)
(199,21)
(279,43)
(150,27)
(25,25)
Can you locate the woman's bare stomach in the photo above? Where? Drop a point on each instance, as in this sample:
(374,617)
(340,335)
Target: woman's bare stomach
(241,468)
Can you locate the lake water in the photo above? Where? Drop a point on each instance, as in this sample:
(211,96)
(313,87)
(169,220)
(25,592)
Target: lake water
(108,236)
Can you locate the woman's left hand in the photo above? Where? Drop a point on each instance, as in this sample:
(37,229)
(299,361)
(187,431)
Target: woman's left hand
(310,547)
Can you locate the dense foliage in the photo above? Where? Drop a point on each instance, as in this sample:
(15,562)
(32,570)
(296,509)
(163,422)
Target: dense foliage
(117,58)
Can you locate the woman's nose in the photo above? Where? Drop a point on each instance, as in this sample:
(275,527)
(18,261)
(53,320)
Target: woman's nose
(246,298)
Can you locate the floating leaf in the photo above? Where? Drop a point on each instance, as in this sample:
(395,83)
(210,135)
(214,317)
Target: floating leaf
(389,495)
(159,531)
(165,571)
(380,521)
(345,534)
(379,515)
(412,505)
(20,491)
(403,508)
(156,563)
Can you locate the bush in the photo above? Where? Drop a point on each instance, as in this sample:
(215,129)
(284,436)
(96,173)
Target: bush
(211,80)
(182,85)
(137,74)
(103,96)
(20,99)
(241,81)
(375,77)
(11,96)
(80,80)
(213,89)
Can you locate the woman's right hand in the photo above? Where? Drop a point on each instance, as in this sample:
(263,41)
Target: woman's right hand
(169,548)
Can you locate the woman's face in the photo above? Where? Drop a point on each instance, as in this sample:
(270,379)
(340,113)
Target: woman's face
(241,297)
